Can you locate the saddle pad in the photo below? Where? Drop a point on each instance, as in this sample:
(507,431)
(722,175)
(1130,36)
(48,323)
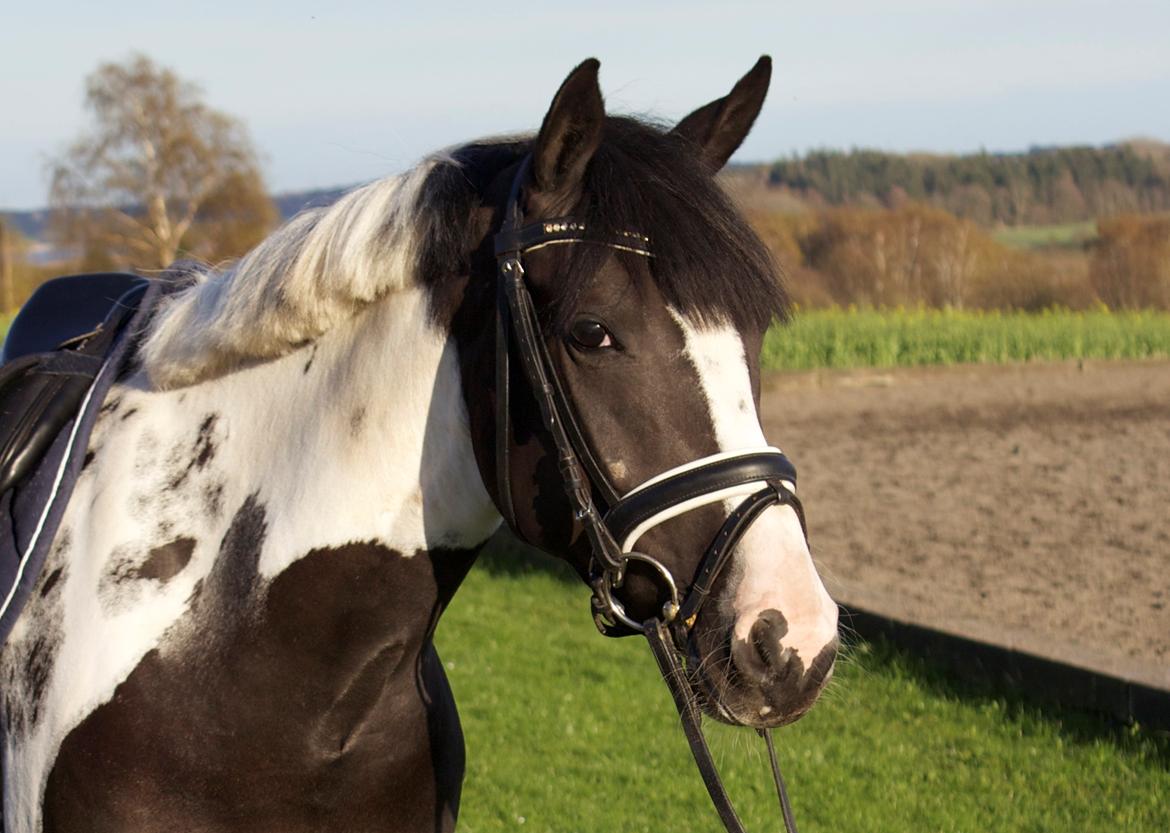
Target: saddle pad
(31,511)
(62,309)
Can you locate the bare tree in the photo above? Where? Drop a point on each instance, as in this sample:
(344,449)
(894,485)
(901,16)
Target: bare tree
(132,189)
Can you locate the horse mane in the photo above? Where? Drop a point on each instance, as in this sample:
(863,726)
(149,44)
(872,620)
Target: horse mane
(307,277)
(326,264)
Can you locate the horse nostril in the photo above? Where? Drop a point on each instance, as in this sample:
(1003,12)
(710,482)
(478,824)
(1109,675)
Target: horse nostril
(761,656)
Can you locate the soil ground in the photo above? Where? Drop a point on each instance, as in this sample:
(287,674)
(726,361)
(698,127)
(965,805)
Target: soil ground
(1028,505)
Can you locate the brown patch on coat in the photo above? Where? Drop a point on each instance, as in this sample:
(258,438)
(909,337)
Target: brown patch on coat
(315,701)
(167,561)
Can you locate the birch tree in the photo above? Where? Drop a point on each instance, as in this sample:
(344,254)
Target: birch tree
(156,159)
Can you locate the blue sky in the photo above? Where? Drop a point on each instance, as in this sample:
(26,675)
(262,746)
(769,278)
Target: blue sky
(341,92)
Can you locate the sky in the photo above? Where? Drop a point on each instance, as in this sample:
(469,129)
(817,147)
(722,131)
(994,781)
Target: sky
(337,93)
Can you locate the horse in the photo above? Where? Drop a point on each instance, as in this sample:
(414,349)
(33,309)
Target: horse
(283,491)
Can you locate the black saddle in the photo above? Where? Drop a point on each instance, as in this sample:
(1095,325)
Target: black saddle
(66,348)
(55,347)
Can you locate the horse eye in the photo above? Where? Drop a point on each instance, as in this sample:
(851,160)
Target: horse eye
(591,335)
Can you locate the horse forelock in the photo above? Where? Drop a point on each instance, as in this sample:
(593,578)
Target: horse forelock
(306,278)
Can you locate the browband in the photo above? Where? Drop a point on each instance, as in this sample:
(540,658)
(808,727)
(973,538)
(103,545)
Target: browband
(567,230)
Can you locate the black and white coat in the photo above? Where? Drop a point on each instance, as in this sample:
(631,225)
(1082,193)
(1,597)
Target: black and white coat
(233,630)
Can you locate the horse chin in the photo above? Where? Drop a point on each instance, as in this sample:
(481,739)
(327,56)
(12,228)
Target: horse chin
(730,700)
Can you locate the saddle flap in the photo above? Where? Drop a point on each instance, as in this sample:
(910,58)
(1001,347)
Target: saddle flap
(41,390)
(50,401)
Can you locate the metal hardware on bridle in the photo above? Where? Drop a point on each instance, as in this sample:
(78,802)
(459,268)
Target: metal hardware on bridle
(758,478)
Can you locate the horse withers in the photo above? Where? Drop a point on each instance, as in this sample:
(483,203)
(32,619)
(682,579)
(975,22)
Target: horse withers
(233,628)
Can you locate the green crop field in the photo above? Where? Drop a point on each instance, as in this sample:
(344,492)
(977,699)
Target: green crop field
(569,731)
(1059,236)
(891,338)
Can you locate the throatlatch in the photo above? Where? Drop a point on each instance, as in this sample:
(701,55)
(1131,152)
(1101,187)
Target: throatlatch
(761,478)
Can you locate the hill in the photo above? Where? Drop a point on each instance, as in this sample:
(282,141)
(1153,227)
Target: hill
(33,224)
(294,201)
(30,224)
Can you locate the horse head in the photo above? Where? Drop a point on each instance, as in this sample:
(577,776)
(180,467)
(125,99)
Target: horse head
(650,297)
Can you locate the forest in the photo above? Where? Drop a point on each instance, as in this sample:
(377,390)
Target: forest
(1051,228)
(1039,187)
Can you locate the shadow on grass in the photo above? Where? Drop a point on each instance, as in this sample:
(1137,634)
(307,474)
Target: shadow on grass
(505,556)
(1017,705)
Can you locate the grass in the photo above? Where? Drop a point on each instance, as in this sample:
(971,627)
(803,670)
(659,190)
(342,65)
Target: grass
(1059,236)
(889,338)
(568,731)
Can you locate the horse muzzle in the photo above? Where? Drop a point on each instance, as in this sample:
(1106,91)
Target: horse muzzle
(759,681)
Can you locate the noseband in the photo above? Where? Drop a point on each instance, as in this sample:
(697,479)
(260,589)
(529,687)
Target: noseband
(758,478)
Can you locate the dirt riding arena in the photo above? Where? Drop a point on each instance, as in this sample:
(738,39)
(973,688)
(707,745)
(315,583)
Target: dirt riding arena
(1027,505)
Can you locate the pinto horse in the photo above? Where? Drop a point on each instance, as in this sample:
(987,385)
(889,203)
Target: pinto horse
(233,629)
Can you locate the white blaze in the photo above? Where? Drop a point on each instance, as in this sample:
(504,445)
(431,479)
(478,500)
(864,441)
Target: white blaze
(774,566)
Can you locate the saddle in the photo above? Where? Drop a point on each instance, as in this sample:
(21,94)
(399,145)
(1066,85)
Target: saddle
(65,349)
(54,349)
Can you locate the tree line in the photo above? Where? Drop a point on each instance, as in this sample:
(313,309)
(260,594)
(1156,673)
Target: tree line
(917,255)
(1041,186)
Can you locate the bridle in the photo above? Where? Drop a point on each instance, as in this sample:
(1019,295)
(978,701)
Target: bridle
(759,478)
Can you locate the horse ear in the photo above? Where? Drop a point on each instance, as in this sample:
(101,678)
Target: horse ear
(719,128)
(569,135)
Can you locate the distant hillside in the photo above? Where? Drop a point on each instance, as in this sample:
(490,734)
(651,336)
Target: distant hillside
(33,224)
(1040,186)
(30,224)
(289,204)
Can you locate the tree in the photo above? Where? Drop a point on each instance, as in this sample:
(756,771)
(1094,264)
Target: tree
(1130,262)
(233,219)
(158,171)
(7,268)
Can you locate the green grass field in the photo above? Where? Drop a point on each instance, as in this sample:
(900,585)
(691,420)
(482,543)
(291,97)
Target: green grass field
(892,338)
(569,731)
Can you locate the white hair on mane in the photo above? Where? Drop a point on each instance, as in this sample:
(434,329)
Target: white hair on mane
(316,271)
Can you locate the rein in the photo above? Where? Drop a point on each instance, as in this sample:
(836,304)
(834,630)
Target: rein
(759,477)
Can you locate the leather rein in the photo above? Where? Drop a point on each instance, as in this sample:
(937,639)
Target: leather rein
(761,477)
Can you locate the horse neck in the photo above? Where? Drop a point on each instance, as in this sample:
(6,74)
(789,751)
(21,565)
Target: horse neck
(360,437)
(374,445)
